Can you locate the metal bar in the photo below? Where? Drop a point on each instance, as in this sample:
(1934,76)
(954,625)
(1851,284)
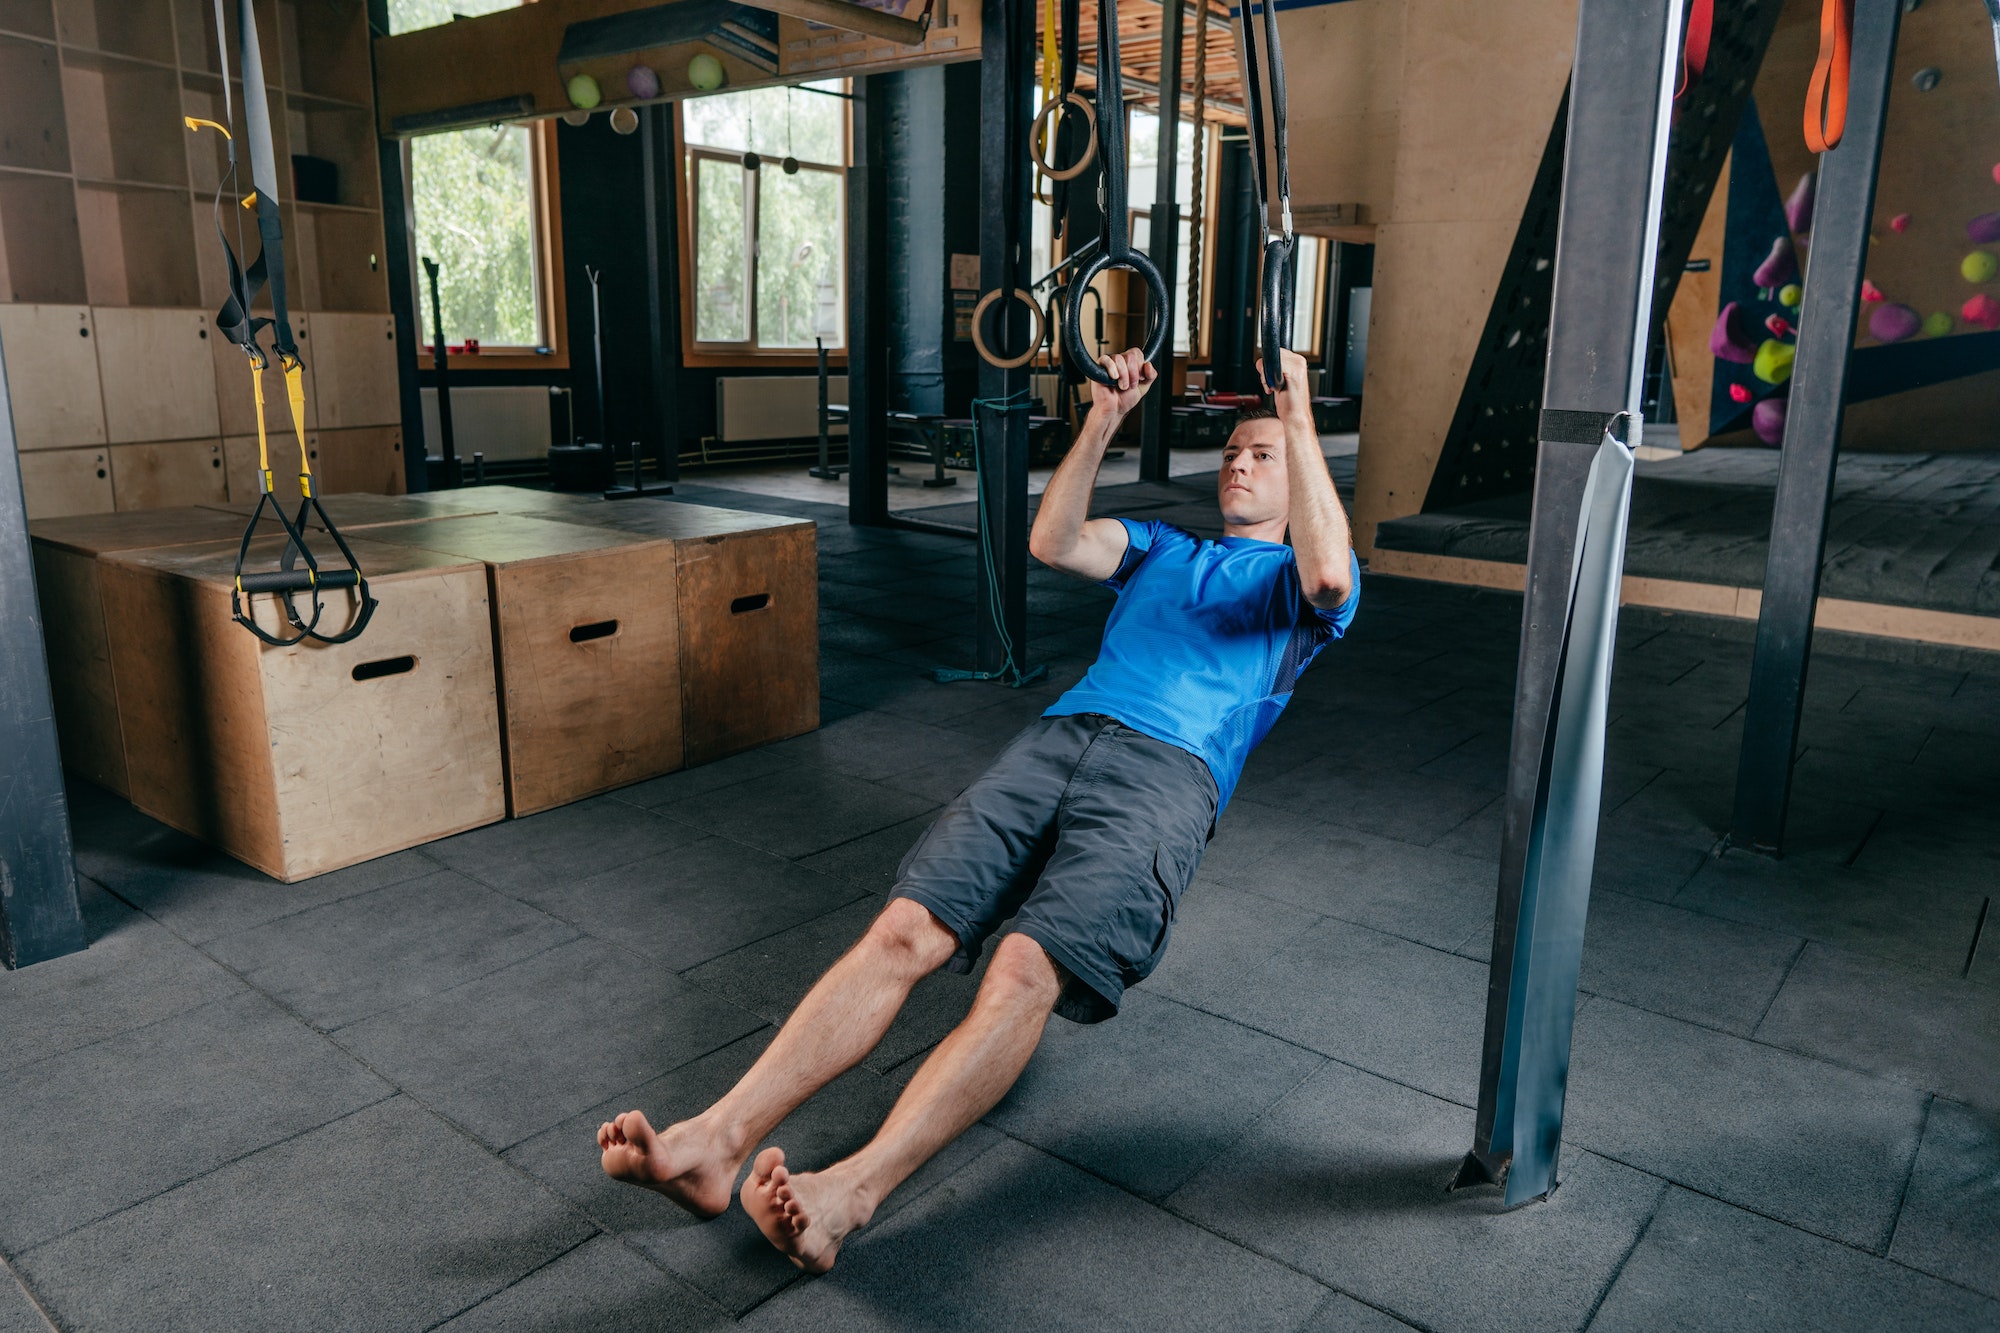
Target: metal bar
(1137,89)
(656,128)
(1155,460)
(1841,215)
(1006,82)
(868,308)
(398,244)
(1621,97)
(39,917)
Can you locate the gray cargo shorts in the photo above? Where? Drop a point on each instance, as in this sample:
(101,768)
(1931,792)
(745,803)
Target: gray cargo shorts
(1085,832)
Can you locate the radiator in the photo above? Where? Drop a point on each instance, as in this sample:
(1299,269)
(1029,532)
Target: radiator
(773,407)
(503,423)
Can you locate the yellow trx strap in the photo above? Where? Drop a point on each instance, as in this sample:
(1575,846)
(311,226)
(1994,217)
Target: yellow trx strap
(1051,66)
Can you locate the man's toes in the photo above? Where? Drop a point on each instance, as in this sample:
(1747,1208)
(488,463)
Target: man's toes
(632,1127)
(768,1161)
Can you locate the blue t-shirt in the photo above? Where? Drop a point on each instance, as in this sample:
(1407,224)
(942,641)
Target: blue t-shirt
(1204,644)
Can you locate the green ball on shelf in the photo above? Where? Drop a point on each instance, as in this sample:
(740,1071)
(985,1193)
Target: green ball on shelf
(705,72)
(584,92)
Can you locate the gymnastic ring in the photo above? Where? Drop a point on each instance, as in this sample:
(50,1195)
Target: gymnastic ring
(1276,315)
(1040,128)
(986,303)
(1159,311)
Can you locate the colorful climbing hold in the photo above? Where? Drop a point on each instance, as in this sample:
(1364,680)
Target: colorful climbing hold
(1780,266)
(1982,310)
(1893,323)
(1799,207)
(1778,325)
(584,92)
(1979,266)
(642,82)
(1870,292)
(1774,361)
(1739,393)
(1900,223)
(1984,229)
(1732,338)
(1996,173)
(1767,419)
(1791,294)
(1937,324)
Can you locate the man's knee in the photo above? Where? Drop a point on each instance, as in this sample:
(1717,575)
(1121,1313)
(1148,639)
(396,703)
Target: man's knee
(910,939)
(1021,973)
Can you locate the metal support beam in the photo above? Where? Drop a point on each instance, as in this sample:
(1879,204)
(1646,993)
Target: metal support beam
(1006,83)
(663,313)
(39,917)
(1841,214)
(398,245)
(1155,464)
(868,309)
(1621,97)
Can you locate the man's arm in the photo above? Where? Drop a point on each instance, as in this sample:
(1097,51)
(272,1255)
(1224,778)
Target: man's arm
(1065,537)
(1321,542)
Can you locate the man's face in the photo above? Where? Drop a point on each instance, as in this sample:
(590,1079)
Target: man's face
(1251,488)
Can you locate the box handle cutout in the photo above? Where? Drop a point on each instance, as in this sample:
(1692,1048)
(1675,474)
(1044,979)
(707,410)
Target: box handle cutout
(597,629)
(756,601)
(388,666)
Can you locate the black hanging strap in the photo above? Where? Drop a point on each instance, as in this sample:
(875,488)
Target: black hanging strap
(1279,284)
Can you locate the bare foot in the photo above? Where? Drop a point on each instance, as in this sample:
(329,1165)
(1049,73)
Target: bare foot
(682,1162)
(806,1216)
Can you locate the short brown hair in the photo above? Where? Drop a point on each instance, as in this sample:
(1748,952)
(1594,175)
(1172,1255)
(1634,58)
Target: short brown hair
(1258,410)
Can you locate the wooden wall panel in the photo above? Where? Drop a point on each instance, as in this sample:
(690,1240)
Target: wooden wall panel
(356,371)
(59,482)
(1691,318)
(369,458)
(159,377)
(179,472)
(51,354)
(1346,103)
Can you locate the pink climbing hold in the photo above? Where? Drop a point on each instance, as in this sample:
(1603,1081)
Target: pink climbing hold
(1739,393)
(1982,310)
(1777,325)
(1767,419)
(1996,173)
(1870,292)
(1893,323)
(1732,338)
(1779,267)
(1984,229)
(1900,223)
(1799,208)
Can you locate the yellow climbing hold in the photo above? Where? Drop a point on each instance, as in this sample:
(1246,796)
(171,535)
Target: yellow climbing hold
(1979,266)
(1774,361)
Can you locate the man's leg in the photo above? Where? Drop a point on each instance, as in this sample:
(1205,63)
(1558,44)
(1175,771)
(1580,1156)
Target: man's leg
(808,1215)
(841,1019)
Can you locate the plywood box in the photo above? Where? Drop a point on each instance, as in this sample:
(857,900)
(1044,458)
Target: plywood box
(585,631)
(301,760)
(66,581)
(749,620)
(360,512)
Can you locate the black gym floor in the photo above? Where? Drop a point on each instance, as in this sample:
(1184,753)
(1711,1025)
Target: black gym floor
(368,1100)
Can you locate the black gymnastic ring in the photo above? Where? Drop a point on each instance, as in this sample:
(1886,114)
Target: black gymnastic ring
(987,354)
(1159,310)
(1275,314)
(1038,131)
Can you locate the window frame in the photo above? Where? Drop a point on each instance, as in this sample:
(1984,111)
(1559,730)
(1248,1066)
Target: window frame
(545,183)
(726,354)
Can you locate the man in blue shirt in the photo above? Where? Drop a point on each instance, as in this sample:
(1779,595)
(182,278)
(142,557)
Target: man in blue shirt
(1084,832)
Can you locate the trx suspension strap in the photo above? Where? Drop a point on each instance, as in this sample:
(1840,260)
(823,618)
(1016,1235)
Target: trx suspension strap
(1117,251)
(1826,94)
(241,327)
(1275,311)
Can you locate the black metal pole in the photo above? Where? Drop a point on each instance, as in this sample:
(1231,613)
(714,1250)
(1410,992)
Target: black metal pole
(1006,78)
(868,307)
(445,441)
(39,917)
(1621,94)
(1844,206)
(398,245)
(1155,421)
(656,130)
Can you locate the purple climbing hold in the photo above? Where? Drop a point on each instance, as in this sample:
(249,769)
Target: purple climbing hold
(1799,208)
(642,82)
(1780,266)
(1734,337)
(1984,229)
(1767,419)
(1893,323)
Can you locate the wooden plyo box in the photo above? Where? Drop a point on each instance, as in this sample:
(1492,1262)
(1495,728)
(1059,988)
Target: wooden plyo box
(749,620)
(585,631)
(357,512)
(66,581)
(304,759)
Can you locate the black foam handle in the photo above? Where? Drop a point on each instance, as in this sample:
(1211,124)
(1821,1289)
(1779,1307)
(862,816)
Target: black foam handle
(298,580)
(1277,309)
(1159,310)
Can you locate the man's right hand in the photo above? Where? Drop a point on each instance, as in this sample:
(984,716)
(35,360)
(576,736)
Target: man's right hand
(1131,374)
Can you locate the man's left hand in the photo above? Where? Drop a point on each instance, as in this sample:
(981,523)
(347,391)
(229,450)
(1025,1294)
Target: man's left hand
(1294,396)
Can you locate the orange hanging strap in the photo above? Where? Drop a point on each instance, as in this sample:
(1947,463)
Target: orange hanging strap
(1700,28)
(1826,95)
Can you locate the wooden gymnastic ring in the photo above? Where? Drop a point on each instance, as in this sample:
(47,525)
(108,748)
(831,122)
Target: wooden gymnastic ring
(979,336)
(1040,128)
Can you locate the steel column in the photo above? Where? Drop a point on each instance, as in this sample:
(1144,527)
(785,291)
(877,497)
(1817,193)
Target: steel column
(39,917)
(398,245)
(663,314)
(867,310)
(1621,97)
(1154,461)
(1006,84)
(1844,206)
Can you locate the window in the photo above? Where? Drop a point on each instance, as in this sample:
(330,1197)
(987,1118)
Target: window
(767,245)
(1143,139)
(1308,309)
(474,196)
(409,15)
